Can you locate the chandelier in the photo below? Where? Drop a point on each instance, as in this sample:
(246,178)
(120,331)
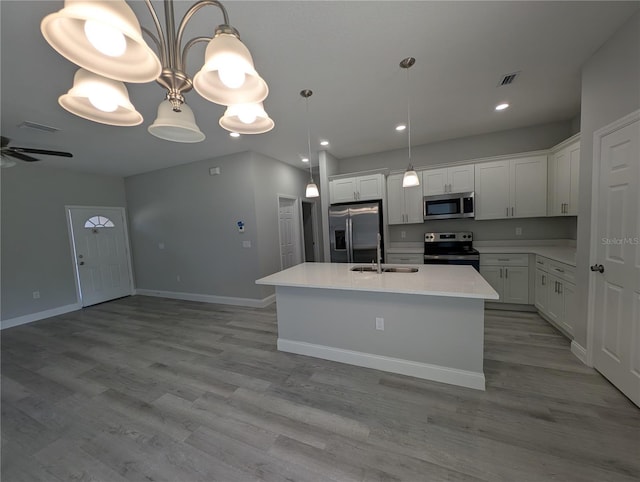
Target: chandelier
(105,39)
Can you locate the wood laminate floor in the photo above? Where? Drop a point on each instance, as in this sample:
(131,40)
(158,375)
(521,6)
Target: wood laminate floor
(149,389)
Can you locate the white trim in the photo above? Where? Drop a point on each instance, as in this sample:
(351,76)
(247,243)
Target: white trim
(41,315)
(595,199)
(223,300)
(436,373)
(579,351)
(565,143)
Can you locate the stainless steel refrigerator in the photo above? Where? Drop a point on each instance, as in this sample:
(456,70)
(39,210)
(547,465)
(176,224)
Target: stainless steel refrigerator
(353,229)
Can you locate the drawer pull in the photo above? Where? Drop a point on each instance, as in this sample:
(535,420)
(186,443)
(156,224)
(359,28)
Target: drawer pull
(559,270)
(504,259)
(540,262)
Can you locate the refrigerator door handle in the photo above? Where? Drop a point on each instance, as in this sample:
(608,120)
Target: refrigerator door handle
(348,240)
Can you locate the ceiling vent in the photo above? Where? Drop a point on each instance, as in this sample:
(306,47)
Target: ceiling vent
(508,79)
(38,127)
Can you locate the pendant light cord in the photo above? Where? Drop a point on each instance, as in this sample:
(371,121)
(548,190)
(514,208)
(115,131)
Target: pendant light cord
(409,116)
(309,137)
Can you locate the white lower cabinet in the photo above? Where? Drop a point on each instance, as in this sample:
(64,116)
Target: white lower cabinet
(555,293)
(508,274)
(405,258)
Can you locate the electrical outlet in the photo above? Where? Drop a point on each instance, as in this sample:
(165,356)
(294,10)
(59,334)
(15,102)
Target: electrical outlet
(403,234)
(36,295)
(518,231)
(246,244)
(379,323)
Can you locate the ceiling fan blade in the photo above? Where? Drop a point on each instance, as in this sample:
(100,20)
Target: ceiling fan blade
(18,155)
(29,150)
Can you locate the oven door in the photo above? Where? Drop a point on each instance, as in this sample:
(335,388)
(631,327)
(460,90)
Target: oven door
(460,259)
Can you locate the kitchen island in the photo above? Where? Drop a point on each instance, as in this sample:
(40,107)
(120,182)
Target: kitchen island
(428,324)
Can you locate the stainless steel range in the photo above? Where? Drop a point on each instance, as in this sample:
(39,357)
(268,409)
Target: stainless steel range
(450,248)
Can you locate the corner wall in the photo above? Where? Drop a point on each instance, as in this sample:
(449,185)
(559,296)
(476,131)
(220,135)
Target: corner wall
(36,250)
(610,90)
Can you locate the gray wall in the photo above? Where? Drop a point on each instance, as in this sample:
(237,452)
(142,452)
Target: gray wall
(195,215)
(490,230)
(270,178)
(328,166)
(610,90)
(465,148)
(36,253)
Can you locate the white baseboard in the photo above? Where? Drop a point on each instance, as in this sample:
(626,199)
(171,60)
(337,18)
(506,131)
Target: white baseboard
(223,300)
(426,371)
(41,315)
(579,351)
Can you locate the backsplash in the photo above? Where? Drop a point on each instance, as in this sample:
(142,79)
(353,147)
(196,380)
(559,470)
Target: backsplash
(495,229)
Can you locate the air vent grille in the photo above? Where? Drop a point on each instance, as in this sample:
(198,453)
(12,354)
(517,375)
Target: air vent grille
(38,127)
(508,79)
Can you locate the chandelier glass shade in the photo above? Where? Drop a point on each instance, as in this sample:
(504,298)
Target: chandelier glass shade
(246,119)
(66,31)
(105,38)
(100,99)
(176,126)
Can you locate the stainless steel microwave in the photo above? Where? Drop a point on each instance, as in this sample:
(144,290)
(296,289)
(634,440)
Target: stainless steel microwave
(448,206)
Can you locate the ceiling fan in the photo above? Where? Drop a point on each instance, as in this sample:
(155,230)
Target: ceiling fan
(22,153)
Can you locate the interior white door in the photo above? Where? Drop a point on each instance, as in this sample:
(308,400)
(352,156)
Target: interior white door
(101,253)
(289,238)
(616,333)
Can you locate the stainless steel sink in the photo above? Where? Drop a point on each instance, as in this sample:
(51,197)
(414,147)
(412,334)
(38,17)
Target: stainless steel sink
(367,268)
(373,269)
(400,270)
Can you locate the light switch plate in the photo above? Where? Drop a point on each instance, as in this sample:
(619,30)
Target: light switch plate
(246,244)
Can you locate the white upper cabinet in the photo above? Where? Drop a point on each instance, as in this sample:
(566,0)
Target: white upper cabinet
(448,179)
(564,170)
(512,188)
(357,188)
(404,204)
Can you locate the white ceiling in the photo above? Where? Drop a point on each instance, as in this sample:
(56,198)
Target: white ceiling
(348,54)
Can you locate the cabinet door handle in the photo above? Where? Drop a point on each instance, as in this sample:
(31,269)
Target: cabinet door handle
(507,212)
(500,272)
(512,211)
(506,273)
(544,281)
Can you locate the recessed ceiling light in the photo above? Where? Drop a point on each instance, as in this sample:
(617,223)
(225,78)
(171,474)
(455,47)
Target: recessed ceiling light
(234,134)
(324,143)
(305,159)
(502,106)
(401,127)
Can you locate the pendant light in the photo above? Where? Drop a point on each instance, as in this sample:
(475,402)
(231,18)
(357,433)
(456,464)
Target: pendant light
(410,178)
(312,188)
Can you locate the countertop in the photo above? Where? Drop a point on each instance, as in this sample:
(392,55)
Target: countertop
(563,254)
(430,280)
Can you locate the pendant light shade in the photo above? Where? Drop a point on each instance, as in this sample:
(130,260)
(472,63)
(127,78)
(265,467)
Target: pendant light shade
(103,37)
(228,75)
(176,126)
(100,99)
(312,190)
(410,178)
(246,119)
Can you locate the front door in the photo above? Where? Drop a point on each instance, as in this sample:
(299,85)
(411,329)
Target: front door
(100,245)
(616,332)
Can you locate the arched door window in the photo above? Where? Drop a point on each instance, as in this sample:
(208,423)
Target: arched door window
(98,222)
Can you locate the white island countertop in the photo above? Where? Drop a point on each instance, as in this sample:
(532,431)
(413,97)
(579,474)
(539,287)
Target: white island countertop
(430,280)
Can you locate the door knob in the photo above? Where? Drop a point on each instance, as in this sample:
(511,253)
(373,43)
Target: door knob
(81,263)
(597,267)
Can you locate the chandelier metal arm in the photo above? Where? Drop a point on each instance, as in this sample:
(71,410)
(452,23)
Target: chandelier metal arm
(191,12)
(190,43)
(155,41)
(160,40)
